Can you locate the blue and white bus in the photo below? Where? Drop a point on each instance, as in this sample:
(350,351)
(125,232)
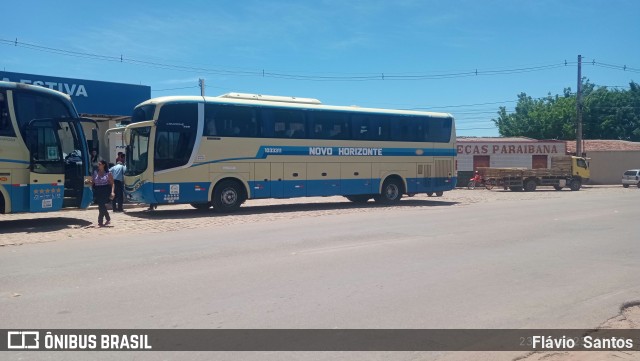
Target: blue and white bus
(221,151)
(44,155)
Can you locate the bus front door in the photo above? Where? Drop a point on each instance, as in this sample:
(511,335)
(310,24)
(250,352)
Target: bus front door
(46,176)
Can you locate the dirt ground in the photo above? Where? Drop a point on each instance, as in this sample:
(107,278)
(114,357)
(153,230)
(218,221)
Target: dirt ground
(18,229)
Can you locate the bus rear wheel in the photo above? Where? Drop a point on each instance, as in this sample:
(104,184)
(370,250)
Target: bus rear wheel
(228,195)
(391,192)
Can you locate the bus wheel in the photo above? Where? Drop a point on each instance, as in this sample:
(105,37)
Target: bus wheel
(557,187)
(359,198)
(201,206)
(2,210)
(429,194)
(439,193)
(228,196)
(391,192)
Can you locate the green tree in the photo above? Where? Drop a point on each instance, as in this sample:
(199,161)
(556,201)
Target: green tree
(607,114)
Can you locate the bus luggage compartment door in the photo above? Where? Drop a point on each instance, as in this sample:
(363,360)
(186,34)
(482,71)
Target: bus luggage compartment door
(295,180)
(277,180)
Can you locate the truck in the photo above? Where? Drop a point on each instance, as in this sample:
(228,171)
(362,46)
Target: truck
(565,171)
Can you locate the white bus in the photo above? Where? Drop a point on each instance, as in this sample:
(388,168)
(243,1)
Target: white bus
(221,151)
(44,155)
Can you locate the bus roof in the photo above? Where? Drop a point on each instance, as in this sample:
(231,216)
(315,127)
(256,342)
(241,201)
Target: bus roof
(284,102)
(35,88)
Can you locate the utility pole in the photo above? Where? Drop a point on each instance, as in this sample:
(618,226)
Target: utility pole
(579,109)
(201,83)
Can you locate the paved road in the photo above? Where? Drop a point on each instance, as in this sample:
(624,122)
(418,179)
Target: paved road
(566,262)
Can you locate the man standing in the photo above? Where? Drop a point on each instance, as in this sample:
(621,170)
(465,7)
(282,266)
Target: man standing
(118,179)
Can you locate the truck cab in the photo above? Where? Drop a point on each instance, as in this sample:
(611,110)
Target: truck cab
(580,168)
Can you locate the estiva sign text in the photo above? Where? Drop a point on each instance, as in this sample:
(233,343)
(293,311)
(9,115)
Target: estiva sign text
(89,97)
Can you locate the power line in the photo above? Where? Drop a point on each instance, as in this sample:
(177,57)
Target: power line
(181,88)
(278,75)
(613,66)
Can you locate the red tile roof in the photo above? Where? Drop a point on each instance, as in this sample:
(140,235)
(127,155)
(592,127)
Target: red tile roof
(595,145)
(505,140)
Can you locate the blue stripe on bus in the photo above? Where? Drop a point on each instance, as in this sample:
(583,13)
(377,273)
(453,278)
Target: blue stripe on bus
(266,151)
(14,161)
(198,192)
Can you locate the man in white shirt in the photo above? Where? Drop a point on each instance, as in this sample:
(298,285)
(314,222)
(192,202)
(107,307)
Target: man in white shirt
(118,179)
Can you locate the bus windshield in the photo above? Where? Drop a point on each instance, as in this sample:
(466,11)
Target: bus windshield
(137,152)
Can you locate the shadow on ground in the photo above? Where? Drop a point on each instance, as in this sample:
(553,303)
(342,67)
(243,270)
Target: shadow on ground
(41,225)
(160,213)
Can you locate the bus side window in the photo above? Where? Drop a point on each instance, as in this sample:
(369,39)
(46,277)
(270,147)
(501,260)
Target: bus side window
(6,128)
(210,118)
(211,127)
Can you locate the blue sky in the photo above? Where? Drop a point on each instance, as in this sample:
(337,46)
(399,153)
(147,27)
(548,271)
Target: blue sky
(232,42)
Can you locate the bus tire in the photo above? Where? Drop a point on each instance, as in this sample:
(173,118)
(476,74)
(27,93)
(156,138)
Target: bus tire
(557,187)
(2,204)
(575,185)
(392,190)
(359,198)
(228,195)
(201,206)
(429,194)
(439,193)
(530,185)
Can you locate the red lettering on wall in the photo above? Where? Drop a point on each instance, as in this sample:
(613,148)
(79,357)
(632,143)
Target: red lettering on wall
(459,149)
(485,149)
(512,149)
(532,148)
(496,148)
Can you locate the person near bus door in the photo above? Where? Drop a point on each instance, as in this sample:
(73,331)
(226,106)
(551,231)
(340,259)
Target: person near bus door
(103,191)
(117,171)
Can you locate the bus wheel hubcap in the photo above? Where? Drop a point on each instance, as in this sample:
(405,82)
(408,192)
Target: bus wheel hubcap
(392,191)
(229,197)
